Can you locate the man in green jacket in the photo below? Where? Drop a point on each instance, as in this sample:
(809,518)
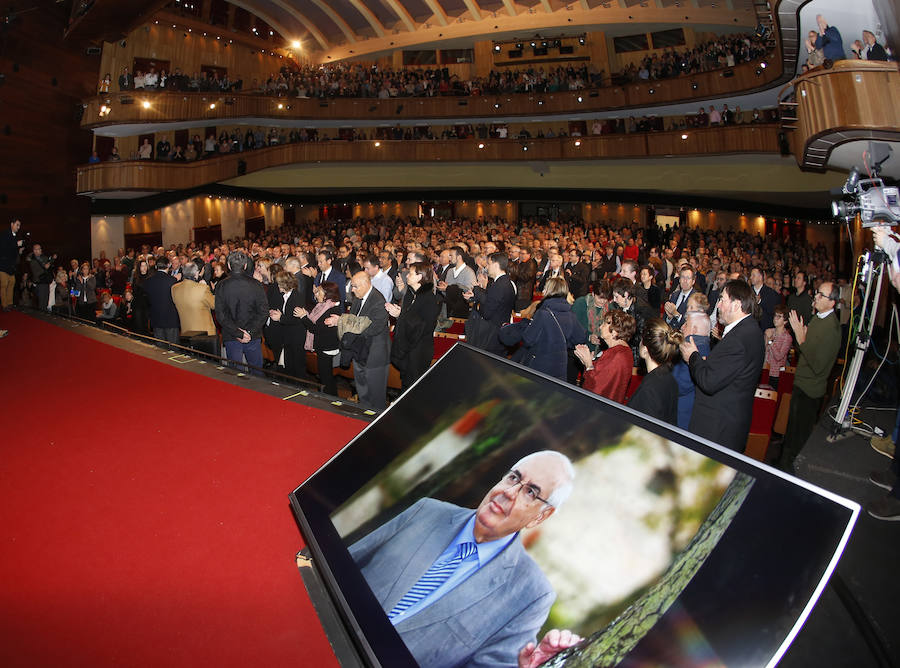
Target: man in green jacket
(818,344)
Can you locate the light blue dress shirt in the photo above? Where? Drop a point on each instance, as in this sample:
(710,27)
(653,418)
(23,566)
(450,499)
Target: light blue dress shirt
(484,552)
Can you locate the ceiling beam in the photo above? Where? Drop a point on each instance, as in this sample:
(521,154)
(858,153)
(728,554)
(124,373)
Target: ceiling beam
(338,21)
(474,12)
(439,14)
(403,15)
(370,17)
(546,5)
(287,34)
(511,8)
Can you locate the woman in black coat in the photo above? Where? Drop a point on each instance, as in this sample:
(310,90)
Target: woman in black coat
(325,341)
(413,346)
(657,395)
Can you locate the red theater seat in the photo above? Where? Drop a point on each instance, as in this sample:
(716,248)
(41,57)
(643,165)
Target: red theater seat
(765,403)
(633,384)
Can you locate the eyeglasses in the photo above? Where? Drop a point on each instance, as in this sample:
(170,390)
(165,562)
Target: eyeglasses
(514,478)
(822,294)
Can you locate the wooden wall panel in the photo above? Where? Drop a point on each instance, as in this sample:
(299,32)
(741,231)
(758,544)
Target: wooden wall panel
(188,53)
(40,102)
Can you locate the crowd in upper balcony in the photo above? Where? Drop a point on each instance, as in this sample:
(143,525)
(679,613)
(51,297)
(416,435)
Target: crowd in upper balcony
(358,80)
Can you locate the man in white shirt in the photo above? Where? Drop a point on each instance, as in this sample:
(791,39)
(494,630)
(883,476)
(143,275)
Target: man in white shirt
(380,280)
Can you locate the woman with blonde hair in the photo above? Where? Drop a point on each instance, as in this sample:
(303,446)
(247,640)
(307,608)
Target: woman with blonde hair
(550,334)
(657,395)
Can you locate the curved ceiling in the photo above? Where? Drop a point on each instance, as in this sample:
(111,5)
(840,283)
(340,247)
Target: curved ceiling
(346,28)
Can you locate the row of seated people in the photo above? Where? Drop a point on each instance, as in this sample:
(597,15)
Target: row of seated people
(367,81)
(239,140)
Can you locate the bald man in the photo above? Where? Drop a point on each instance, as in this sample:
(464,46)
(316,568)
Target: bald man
(371,364)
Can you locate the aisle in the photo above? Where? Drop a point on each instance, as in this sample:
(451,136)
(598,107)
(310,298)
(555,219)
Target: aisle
(145,511)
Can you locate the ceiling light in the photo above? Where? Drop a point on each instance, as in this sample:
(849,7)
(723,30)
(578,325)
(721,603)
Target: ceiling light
(295,44)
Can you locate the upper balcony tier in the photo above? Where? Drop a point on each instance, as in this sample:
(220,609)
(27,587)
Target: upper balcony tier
(160,108)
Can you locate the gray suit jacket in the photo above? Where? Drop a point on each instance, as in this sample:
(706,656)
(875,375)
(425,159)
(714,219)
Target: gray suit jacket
(485,620)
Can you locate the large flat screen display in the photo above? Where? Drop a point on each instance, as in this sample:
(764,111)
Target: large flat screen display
(491,504)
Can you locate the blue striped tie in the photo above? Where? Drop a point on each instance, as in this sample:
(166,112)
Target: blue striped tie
(433,578)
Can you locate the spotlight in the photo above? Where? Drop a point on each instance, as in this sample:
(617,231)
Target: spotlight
(295,44)
(759,71)
(280,105)
(212,105)
(145,104)
(579,99)
(694,85)
(684,136)
(652,91)
(577,143)
(519,45)
(524,147)
(496,48)
(764,64)
(533,43)
(540,103)
(377,144)
(480,145)
(581,41)
(496,105)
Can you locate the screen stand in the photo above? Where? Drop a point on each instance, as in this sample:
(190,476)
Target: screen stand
(340,640)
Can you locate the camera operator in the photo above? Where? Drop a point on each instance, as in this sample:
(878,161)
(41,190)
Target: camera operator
(10,248)
(41,275)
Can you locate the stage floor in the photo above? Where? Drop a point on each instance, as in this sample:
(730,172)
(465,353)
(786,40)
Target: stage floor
(147,523)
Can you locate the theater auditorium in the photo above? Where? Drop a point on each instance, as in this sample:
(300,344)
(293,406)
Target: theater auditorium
(235,232)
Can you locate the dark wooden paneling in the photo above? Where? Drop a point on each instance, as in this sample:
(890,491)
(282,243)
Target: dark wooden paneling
(40,103)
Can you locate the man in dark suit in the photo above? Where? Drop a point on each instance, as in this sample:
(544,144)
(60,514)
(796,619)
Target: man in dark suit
(577,273)
(726,381)
(766,297)
(676,306)
(493,303)
(327,272)
(163,314)
(370,375)
(126,80)
(304,282)
(554,268)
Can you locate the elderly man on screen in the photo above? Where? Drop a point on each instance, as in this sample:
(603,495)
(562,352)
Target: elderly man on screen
(457,583)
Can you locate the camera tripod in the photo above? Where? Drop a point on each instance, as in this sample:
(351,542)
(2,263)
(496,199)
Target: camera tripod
(870,272)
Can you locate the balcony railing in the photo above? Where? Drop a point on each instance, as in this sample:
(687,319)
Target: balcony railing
(145,175)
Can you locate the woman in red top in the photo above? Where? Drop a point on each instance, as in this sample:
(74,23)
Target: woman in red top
(608,375)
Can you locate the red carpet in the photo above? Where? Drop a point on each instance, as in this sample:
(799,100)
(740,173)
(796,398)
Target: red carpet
(145,511)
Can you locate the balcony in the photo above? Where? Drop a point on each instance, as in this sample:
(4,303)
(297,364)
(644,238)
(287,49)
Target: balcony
(162,176)
(144,108)
(837,111)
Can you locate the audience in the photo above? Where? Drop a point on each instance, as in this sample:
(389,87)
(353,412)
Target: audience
(657,395)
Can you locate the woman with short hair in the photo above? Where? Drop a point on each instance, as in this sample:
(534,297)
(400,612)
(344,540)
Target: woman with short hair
(610,372)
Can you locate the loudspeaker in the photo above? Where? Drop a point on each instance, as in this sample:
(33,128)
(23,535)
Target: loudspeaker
(563,50)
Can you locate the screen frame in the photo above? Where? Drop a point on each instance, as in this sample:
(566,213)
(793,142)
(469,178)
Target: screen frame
(377,642)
